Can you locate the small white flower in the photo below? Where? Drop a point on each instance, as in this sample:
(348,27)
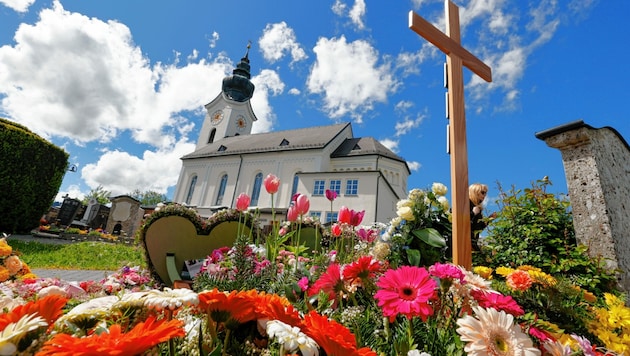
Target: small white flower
(444,202)
(292,338)
(417,353)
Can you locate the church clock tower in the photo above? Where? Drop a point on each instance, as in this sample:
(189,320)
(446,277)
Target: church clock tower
(230,113)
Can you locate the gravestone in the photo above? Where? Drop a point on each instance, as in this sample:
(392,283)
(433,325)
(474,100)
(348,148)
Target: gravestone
(597,168)
(68,210)
(127,211)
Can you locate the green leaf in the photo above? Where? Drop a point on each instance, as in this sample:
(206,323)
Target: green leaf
(431,237)
(413,256)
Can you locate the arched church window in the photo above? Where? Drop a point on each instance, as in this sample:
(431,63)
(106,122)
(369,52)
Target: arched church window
(211,137)
(191,189)
(256,190)
(221,191)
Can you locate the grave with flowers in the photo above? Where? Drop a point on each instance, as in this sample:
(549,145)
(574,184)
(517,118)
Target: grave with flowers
(364,289)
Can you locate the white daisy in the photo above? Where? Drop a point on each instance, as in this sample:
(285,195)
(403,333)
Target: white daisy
(13,332)
(494,333)
(292,338)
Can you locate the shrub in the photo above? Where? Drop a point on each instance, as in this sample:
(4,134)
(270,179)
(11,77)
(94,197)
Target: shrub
(535,228)
(32,171)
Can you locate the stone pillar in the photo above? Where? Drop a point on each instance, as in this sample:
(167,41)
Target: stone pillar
(597,168)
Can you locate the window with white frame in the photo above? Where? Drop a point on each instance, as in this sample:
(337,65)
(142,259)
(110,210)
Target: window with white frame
(352,187)
(335,185)
(316,215)
(331,216)
(319,187)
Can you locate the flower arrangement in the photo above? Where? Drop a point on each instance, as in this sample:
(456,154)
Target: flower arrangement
(11,266)
(362,295)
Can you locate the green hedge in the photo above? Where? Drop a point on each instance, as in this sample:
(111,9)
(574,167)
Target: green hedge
(32,170)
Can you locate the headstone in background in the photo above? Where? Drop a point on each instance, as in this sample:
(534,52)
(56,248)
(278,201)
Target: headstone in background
(68,210)
(597,168)
(127,211)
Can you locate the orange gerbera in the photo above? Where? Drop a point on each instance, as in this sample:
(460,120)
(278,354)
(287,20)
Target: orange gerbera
(275,307)
(519,280)
(223,306)
(331,336)
(49,308)
(138,340)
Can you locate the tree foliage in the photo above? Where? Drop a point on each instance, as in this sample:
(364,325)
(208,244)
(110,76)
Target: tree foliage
(99,194)
(32,171)
(148,197)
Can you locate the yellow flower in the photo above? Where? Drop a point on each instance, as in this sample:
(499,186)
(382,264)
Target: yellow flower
(504,271)
(529,268)
(13,264)
(542,278)
(5,249)
(439,189)
(483,271)
(443,202)
(406,213)
(4,274)
(28,276)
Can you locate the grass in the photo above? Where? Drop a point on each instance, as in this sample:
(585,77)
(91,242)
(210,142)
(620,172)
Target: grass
(79,255)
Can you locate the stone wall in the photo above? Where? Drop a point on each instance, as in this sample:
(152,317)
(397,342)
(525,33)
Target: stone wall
(597,168)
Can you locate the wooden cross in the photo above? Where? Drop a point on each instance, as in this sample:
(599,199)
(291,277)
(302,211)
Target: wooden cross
(456,56)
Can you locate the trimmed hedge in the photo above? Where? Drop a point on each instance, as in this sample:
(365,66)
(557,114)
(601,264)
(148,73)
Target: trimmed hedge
(32,171)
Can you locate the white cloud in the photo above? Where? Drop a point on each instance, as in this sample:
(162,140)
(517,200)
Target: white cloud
(279,39)
(414,166)
(349,77)
(408,124)
(267,83)
(17,5)
(357,12)
(120,172)
(391,144)
(73,191)
(212,42)
(294,91)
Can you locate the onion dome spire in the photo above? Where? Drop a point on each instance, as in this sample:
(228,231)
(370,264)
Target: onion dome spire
(237,86)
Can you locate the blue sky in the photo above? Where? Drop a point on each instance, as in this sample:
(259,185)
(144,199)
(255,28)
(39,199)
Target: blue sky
(121,85)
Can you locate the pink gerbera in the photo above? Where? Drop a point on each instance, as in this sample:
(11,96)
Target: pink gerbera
(407,291)
(446,271)
(497,301)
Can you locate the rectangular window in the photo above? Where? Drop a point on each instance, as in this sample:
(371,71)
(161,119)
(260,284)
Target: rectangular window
(331,216)
(320,186)
(352,187)
(335,185)
(316,215)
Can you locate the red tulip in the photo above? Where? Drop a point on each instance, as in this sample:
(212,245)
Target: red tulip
(344,215)
(302,204)
(331,194)
(292,214)
(271,183)
(242,202)
(335,229)
(350,217)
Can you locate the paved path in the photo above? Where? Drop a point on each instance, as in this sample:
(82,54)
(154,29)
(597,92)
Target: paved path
(66,275)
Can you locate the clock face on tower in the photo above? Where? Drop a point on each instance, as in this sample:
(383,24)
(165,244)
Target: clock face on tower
(216,117)
(241,123)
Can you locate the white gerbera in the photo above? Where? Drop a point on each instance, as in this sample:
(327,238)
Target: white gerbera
(292,338)
(170,298)
(494,332)
(13,332)
(439,189)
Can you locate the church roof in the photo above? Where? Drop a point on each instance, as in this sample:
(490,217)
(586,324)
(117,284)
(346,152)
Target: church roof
(316,137)
(289,140)
(362,146)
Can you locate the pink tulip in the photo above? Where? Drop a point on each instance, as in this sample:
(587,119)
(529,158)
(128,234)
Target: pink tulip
(335,229)
(331,194)
(356,217)
(292,214)
(271,183)
(242,202)
(302,204)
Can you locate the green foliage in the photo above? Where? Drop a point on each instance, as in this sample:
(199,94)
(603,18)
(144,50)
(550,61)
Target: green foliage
(99,194)
(32,171)
(148,197)
(533,227)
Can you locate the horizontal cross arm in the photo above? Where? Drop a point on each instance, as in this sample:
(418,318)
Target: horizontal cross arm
(449,46)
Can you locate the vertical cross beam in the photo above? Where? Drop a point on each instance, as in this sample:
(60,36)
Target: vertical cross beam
(456,57)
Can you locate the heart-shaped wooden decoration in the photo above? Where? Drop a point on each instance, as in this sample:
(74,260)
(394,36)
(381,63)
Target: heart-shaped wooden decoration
(177,235)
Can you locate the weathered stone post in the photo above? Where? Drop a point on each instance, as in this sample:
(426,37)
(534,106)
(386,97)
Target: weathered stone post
(597,168)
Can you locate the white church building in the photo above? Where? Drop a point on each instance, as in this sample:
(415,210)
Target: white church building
(229,160)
